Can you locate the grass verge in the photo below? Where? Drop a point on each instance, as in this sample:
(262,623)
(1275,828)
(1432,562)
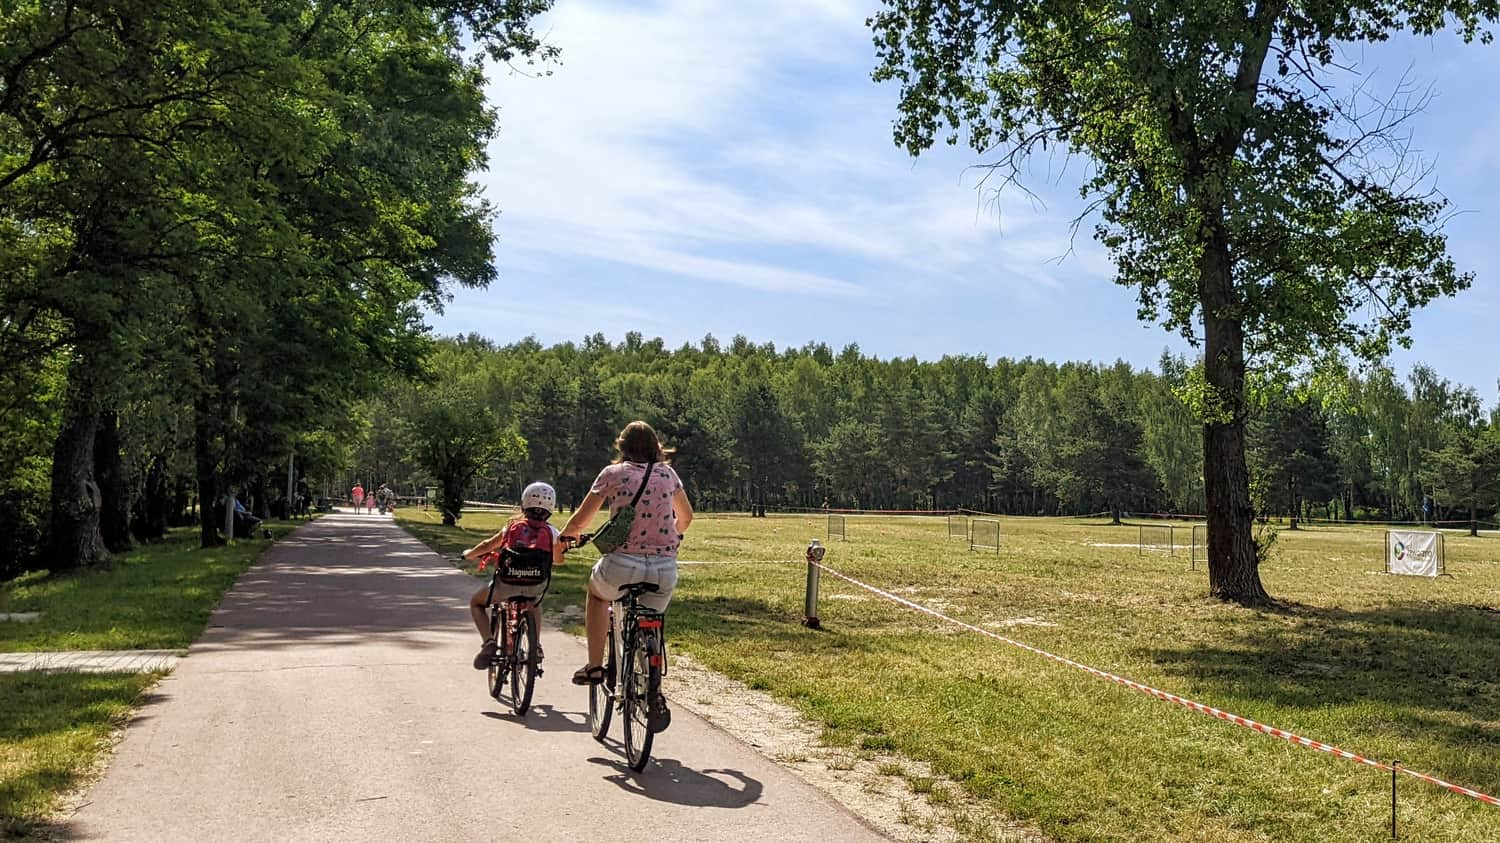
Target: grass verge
(158,596)
(1393,667)
(53,727)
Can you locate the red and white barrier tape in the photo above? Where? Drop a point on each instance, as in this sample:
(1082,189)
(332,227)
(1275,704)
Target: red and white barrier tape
(1173,698)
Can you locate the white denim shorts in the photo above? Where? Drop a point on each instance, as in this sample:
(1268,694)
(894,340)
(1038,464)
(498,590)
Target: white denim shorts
(616,570)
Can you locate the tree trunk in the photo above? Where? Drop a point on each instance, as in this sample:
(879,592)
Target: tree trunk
(262,503)
(453,500)
(1233,570)
(74,540)
(208,480)
(1291,488)
(1474,519)
(1114,515)
(114,491)
(155,501)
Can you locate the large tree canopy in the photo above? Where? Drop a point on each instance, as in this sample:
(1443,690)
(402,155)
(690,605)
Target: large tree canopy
(1253,206)
(239,205)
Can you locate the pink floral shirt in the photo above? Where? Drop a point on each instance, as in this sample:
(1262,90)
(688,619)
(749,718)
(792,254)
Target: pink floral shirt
(654,532)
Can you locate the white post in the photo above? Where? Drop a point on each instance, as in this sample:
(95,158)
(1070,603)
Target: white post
(290,461)
(815,552)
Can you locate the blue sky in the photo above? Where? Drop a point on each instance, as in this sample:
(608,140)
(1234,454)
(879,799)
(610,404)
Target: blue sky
(711,167)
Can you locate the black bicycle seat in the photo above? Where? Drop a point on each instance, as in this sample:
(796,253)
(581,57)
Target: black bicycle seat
(642,588)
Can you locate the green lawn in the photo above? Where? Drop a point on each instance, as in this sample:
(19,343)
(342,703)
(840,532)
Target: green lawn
(1393,667)
(53,727)
(158,596)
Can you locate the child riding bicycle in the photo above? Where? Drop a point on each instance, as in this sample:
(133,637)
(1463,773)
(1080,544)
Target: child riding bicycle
(528,536)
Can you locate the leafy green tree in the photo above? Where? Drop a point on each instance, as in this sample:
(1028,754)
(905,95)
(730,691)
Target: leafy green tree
(273,184)
(1099,450)
(1290,454)
(452,433)
(845,458)
(592,430)
(765,446)
(1467,470)
(1245,202)
(1172,437)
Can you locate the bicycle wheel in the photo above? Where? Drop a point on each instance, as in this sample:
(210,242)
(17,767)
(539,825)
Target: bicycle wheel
(523,665)
(602,695)
(642,680)
(495,676)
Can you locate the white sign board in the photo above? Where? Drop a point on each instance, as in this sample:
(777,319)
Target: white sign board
(1413,554)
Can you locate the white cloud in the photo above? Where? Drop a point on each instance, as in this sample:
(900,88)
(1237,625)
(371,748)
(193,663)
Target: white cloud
(681,136)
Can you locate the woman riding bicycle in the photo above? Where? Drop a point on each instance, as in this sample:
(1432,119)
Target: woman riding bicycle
(662,516)
(530,529)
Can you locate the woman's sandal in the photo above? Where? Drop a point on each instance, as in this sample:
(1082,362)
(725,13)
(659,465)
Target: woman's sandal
(589,675)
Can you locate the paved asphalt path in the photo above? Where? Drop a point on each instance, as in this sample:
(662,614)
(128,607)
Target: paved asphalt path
(332,698)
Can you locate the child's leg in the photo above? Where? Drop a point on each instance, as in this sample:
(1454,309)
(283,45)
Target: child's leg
(479,611)
(535,614)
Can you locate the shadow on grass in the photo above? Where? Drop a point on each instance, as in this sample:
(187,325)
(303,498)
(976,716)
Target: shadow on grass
(1426,670)
(157,596)
(51,729)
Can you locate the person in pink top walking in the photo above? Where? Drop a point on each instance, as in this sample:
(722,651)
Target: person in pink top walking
(357,495)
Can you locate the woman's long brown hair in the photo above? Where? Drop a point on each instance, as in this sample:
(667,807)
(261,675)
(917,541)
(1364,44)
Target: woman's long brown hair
(638,442)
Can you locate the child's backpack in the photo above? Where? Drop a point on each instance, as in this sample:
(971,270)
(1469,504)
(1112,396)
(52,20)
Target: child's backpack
(525,553)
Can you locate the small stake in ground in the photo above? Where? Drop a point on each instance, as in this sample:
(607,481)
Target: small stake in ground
(1394,765)
(815,552)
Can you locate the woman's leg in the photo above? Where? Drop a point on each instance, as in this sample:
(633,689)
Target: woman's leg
(596,624)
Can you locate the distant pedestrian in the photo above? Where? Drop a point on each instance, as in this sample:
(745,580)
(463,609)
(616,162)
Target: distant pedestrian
(357,496)
(369,503)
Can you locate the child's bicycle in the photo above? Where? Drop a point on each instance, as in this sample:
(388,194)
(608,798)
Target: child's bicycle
(516,659)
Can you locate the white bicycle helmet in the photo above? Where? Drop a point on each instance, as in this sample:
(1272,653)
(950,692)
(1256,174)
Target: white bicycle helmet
(539,496)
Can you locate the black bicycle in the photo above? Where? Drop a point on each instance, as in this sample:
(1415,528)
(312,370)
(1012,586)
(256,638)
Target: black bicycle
(516,659)
(633,668)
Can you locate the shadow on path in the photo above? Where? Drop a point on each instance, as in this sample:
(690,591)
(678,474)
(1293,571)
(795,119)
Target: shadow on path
(667,780)
(544,718)
(370,581)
